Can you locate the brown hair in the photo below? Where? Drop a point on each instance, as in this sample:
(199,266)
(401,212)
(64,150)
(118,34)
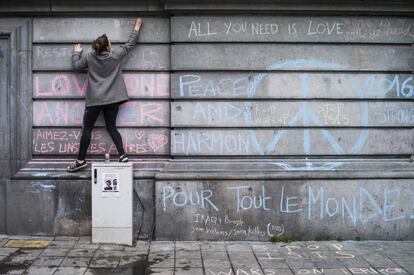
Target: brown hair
(100,44)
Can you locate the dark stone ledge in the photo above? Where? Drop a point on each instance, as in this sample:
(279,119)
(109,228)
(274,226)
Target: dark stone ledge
(56,169)
(265,169)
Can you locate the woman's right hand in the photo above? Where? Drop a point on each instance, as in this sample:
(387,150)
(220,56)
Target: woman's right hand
(77,47)
(138,23)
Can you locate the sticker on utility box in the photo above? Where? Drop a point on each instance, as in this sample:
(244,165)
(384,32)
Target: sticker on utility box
(110,185)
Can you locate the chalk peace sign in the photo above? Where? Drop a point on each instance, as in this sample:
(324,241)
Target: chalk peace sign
(306,114)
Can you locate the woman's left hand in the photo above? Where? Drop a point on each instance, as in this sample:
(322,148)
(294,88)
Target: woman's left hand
(77,48)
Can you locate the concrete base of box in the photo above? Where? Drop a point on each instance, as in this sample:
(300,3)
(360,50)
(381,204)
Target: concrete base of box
(114,235)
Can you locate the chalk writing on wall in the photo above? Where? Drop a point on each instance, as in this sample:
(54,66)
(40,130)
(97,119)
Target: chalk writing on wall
(291,113)
(288,85)
(60,29)
(144,57)
(316,205)
(59,92)
(293,29)
(70,85)
(227,210)
(274,271)
(309,166)
(300,113)
(66,141)
(70,113)
(290,142)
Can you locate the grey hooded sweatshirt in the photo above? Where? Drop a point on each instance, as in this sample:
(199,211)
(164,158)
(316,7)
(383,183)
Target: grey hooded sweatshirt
(106,82)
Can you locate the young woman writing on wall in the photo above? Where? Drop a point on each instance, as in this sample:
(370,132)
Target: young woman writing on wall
(106,89)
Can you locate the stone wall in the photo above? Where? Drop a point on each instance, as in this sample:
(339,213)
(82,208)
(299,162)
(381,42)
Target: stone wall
(274,122)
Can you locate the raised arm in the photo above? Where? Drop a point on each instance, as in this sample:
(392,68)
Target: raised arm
(123,50)
(79,61)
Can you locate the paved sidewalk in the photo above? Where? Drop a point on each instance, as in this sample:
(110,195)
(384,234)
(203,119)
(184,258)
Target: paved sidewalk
(72,255)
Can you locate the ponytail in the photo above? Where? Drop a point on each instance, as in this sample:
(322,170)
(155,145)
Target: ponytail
(100,44)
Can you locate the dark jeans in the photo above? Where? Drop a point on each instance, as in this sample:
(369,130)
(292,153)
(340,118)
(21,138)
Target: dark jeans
(89,118)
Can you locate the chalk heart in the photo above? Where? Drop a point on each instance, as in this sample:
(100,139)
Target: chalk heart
(139,134)
(156,141)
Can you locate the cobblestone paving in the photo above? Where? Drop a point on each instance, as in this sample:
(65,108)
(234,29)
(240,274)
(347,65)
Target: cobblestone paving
(74,255)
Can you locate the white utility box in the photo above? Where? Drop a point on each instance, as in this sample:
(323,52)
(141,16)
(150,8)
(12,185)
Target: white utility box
(112,185)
